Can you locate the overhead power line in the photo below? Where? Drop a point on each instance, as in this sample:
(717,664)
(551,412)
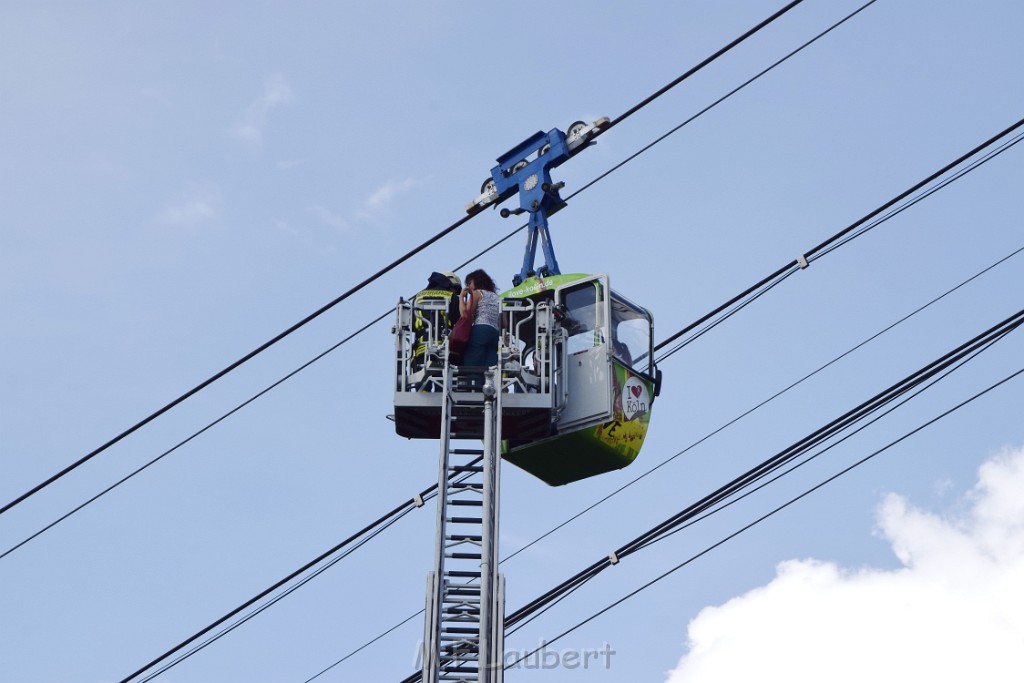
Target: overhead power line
(924,194)
(238,363)
(371,529)
(320,559)
(675,82)
(768,400)
(310,318)
(381,528)
(640,105)
(827,431)
(774,511)
(828,245)
(693,445)
(276,586)
(323,309)
(723,311)
(704,438)
(184,441)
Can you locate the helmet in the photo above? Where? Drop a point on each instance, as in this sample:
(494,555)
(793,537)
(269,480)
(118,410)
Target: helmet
(437,281)
(454,279)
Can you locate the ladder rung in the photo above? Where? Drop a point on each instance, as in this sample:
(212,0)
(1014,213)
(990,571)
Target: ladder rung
(465,468)
(465,520)
(464,537)
(465,574)
(466,451)
(461,601)
(470,503)
(472,619)
(463,542)
(463,556)
(464,649)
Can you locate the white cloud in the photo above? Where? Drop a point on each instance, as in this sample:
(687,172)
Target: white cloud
(193,207)
(382,198)
(335,220)
(250,126)
(379,202)
(953,612)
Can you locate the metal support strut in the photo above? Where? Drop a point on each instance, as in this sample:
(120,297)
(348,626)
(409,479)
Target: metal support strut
(526,169)
(465,611)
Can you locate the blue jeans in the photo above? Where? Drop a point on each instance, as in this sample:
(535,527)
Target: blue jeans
(483,347)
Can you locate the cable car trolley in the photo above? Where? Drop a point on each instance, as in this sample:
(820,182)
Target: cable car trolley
(577,373)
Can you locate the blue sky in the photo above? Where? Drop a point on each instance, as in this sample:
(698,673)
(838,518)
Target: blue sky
(179,183)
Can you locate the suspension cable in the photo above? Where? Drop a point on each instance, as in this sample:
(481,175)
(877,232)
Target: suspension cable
(634,109)
(323,309)
(374,527)
(465,263)
(766,401)
(277,598)
(801,262)
(724,311)
(774,511)
(247,357)
(337,301)
(848,238)
(404,508)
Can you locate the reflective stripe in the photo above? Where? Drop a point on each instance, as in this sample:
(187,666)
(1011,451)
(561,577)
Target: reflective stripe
(420,325)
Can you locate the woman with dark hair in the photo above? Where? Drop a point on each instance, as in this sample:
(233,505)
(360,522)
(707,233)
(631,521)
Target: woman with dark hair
(479,300)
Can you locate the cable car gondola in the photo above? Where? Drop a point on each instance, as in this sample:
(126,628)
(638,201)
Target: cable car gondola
(578,377)
(608,382)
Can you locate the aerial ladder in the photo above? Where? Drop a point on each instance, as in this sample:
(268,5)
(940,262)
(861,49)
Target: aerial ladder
(464,626)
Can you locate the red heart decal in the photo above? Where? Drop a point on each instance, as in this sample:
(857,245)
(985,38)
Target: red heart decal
(636,390)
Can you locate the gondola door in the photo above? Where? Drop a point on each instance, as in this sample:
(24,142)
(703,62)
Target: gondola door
(586,313)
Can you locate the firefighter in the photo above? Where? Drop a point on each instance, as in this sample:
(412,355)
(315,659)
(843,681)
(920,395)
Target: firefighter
(439,286)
